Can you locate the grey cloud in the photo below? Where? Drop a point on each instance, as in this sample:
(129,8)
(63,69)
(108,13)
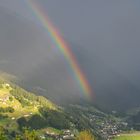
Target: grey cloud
(104,36)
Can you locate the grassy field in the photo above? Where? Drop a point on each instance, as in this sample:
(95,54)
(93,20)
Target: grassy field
(131,136)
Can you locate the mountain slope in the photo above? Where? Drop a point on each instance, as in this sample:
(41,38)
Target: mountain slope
(20,109)
(15,103)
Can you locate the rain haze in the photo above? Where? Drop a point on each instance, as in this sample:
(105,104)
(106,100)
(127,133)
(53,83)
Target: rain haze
(103,35)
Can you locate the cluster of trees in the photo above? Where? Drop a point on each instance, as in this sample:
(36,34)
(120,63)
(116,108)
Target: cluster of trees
(3,116)
(35,122)
(26,134)
(30,134)
(21,95)
(56,119)
(85,135)
(27,98)
(48,118)
(6,110)
(3,134)
(19,92)
(78,118)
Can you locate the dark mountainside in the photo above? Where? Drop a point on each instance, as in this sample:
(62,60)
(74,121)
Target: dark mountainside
(43,70)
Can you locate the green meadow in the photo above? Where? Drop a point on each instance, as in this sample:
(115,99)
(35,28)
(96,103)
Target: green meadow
(131,136)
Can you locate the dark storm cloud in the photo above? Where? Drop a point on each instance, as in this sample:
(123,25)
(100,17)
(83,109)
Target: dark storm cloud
(26,53)
(104,36)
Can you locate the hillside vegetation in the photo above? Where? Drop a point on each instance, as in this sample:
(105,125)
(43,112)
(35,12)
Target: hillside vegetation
(24,114)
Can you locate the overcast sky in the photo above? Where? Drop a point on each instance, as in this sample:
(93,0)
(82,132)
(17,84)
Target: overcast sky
(103,34)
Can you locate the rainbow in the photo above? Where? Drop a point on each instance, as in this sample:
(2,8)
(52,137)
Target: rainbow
(61,44)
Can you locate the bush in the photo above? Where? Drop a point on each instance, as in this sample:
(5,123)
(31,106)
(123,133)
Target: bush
(55,119)
(35,122)
(10,98)
(6,109)
(3,134)
(85,135)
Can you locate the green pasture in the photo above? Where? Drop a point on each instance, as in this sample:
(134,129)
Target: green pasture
(130,136)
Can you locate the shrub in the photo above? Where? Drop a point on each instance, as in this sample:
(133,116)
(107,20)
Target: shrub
(85,135)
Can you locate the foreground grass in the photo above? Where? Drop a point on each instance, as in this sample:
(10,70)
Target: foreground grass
(131,136)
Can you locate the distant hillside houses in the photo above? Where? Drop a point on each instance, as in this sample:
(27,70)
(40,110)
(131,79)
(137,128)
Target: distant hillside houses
(4,99)
(65,135)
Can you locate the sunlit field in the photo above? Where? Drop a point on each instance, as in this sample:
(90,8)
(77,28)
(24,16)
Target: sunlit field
(133,136)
